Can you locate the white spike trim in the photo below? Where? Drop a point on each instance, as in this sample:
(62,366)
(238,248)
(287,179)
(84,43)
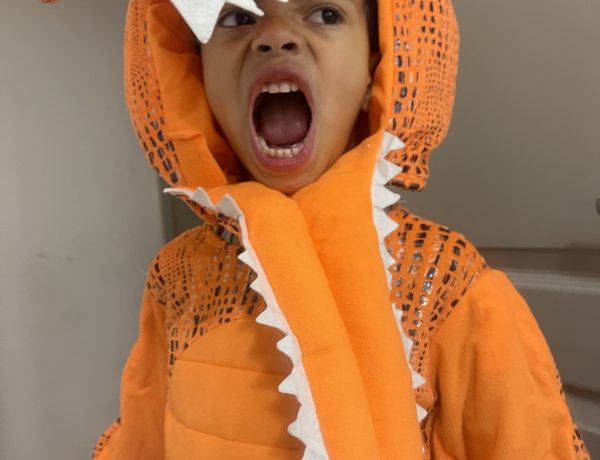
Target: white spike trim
(306,426)
(202,15)
(381,198)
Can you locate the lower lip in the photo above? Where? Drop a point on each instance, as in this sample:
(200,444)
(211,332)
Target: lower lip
(284,165)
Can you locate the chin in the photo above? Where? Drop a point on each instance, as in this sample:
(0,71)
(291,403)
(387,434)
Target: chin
(287,186)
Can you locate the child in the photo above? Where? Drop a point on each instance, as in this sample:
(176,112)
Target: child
(309,297)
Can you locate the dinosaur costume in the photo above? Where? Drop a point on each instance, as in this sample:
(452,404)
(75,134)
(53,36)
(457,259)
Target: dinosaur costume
(332,323)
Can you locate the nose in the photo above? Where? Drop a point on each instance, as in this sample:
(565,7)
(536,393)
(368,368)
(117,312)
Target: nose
(276,36)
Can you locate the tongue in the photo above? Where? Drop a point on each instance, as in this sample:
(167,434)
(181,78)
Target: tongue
(283,119)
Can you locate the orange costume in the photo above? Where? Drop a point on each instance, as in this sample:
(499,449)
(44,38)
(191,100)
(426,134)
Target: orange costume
(333,323)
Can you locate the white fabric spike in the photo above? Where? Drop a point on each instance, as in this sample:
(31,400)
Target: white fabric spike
(388,277)
(398,314)
(395,143)
(179,192)
(421,413)
(407,346)
(286,344)
(268,318)
(292,350)
(228,206)
(387,197)
(311,454)
(245,257)
(388,261)
(380,198)
(385,224)
(201,197)
(293,429)
(248,260)
(418,380)
(258,285)
(388,274)
(310,429)
(288,386)
(202,15)
(384,172)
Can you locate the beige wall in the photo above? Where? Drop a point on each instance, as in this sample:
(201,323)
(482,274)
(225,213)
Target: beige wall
(523,152)
(79,224)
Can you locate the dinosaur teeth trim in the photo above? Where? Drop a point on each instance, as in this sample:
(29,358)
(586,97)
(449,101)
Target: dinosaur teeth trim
(268,318)
(306,427)
(293,429)
(287,385)
(381,198)
(286,345)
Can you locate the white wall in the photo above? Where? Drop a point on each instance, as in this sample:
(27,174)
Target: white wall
(79,224)
(523,151)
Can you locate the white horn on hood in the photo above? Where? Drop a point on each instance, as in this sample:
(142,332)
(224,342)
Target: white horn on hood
(202,15)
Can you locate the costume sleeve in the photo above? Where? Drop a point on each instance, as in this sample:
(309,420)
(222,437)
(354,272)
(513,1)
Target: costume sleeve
(138,432)
(498,391)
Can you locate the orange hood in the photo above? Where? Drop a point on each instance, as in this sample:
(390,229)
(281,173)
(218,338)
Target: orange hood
(321,265)
(412,97)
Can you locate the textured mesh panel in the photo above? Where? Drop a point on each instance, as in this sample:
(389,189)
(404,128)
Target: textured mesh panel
(203,284)
(581,452)
(434,269)
(105,438)
(143,97)
(425,66)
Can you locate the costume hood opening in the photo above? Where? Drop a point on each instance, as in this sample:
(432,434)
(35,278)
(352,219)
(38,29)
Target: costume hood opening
(320,256)
(412,94)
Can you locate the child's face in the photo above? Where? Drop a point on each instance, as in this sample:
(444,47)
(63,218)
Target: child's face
(287,140)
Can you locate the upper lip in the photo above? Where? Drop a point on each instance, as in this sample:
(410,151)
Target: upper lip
(277,73)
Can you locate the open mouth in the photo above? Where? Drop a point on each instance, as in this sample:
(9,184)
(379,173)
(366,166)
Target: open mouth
(282,123)
(282,119)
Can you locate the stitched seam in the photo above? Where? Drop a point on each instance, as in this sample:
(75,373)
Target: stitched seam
(225,439)
(233,367)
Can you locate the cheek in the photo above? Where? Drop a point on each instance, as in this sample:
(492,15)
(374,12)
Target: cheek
(210,72)
(347,82)
(347,74)
(220,87)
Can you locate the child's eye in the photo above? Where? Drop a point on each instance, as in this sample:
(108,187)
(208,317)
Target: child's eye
(325,15)
(236,18)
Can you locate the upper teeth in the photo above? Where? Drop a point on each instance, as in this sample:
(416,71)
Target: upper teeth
(279,87)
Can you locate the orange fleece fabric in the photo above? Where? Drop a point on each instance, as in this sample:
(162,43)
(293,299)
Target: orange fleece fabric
(331,324)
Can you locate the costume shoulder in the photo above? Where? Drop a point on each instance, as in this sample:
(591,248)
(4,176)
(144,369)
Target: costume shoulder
(175,258)
(195,283)
(492,389)
(202,284)
(434,269)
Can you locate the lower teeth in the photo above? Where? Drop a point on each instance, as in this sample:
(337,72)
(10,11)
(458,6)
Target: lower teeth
(279,152)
